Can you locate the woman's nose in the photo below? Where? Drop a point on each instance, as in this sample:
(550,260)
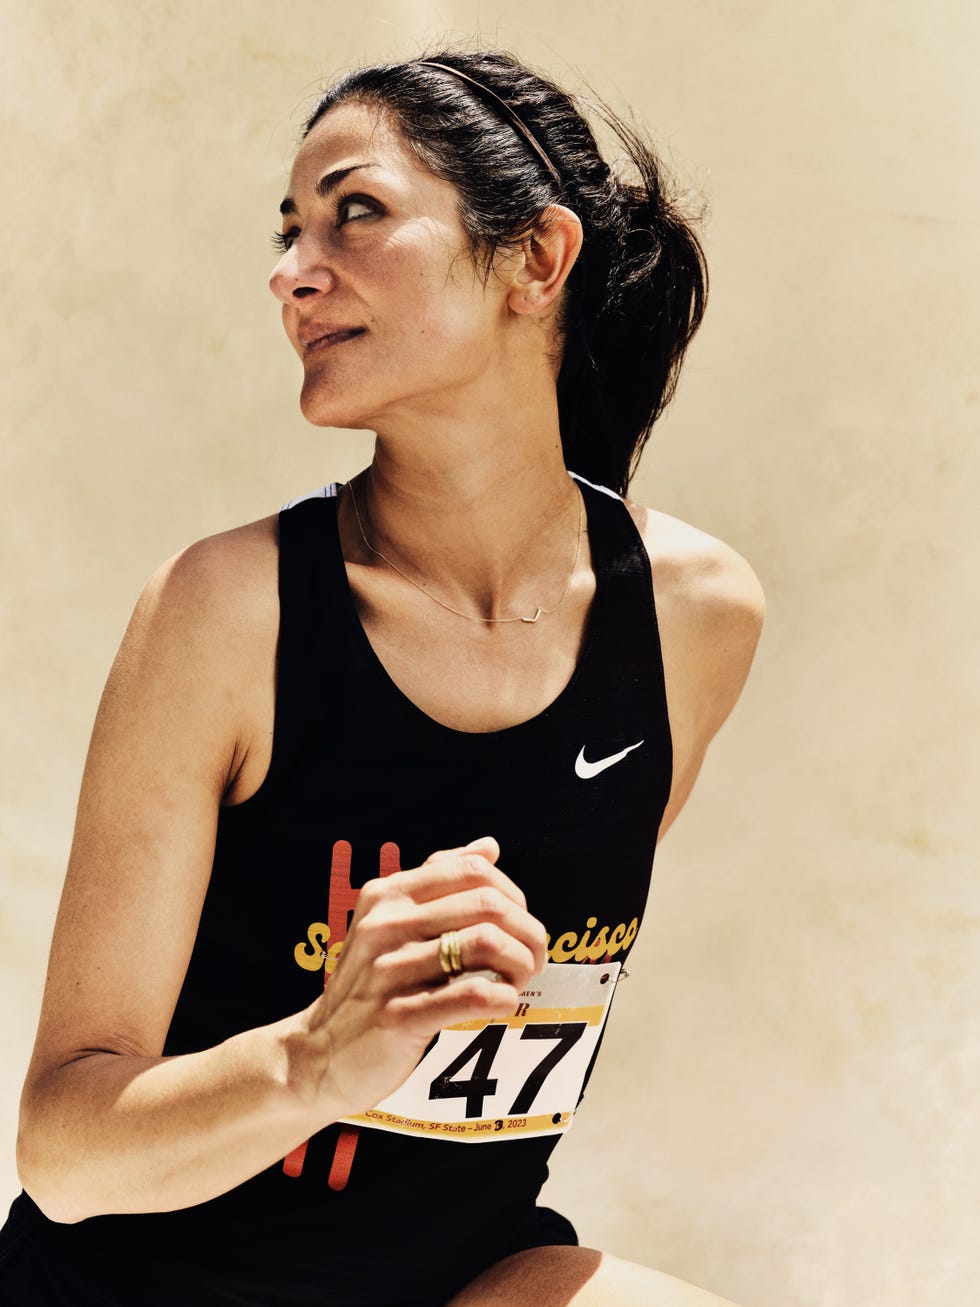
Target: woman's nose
(299,274)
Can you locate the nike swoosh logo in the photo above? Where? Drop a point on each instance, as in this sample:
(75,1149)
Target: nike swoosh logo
(589,769)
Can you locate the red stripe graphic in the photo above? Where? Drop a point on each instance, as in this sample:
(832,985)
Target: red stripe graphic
(341,901)
(343,1157)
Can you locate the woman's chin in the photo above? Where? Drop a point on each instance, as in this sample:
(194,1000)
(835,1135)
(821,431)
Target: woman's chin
(330,411)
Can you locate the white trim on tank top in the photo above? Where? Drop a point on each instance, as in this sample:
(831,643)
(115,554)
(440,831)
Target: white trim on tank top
(330,492)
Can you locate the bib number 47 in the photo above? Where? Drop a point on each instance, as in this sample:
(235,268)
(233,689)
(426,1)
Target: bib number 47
(482,1051)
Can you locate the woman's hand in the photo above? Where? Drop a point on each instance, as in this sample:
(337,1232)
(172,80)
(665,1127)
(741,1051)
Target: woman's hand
(388,995)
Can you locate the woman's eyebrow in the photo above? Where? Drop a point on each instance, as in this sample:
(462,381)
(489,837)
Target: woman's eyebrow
(327,183)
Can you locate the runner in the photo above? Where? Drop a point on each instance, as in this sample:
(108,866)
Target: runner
(369,814)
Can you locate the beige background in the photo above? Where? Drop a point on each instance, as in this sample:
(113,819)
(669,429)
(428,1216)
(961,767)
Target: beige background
(786,1107)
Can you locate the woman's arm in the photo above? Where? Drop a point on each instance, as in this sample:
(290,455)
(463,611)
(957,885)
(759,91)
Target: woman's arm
(107,1124)
(710,612)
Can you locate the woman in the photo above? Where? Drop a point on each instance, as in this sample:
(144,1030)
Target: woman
(374,777)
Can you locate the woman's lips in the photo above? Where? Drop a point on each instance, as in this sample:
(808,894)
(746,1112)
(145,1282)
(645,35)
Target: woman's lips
(332,338)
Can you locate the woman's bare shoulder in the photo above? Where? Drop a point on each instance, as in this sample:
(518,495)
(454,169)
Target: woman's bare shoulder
(230,572)
(203,635)
(695,567)
(710,611)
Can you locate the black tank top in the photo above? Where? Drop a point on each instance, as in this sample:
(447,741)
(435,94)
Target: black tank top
(361,782)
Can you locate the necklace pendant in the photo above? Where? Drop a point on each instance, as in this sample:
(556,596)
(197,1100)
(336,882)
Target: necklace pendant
(532,619)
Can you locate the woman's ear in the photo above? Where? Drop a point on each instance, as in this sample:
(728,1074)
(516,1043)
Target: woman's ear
(544,259)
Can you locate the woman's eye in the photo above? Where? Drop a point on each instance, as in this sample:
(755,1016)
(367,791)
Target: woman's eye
(356,202)
(282,240)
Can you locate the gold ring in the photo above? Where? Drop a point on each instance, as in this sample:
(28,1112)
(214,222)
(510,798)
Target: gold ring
(449,955)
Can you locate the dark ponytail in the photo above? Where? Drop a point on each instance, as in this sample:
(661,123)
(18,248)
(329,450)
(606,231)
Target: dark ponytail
(637,296)
(637,292)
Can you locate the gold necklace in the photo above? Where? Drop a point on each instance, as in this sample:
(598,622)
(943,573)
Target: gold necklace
(539,612)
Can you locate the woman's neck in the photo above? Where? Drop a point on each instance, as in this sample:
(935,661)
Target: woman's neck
(488,521)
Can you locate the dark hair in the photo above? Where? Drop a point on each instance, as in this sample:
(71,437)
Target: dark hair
(636,294)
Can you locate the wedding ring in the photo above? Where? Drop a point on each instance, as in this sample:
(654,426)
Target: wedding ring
(449,955)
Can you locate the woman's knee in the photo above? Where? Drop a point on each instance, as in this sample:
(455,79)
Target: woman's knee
(579,1277)
(545,1277)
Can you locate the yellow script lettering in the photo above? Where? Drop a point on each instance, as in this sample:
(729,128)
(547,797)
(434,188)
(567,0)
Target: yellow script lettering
(564,946)
(604,944)
(311,956)
(616,940)
(581,954)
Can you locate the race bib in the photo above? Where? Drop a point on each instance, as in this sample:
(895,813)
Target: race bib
(512,1077)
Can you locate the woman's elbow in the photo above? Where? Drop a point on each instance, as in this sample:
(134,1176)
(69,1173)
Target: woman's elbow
(44,1169)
